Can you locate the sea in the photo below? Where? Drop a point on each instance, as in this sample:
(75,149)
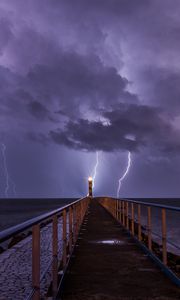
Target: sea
(16,211)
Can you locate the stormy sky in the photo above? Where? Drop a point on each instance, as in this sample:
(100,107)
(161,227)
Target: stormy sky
(82,76)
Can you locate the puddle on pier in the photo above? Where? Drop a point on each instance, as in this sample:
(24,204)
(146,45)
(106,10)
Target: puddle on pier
(110,242)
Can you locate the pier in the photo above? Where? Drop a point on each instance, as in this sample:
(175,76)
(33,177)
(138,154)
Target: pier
(108,264)
(93,248)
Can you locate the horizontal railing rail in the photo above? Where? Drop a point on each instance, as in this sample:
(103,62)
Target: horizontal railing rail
(71,216)
(169,207)
(128,212)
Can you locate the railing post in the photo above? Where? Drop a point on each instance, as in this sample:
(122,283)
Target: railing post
(55,256)
(164,246)
(36,261)
(120,211)
(117,209)
(149,229)
(74,224)
(64,239)
(127,217)
(70,229)
(78,219)
(81,212)
(123,213)
(132,218)
(139,222)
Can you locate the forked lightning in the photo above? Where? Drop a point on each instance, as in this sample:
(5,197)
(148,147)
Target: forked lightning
(125,174)
(7,177)
(95,168)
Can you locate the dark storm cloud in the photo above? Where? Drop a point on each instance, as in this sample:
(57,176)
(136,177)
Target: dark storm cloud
(90,75)
(129,127)
(76,79)
(62,68)
(5,33)
(92,136)
(105,7)
(71,80)
(55,73)
(38,138)
(164,87)
(38,110)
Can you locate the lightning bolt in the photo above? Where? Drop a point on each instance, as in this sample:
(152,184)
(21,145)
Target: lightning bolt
(3,148)
(125,174)
(13,187)
(7,177)
(95,168)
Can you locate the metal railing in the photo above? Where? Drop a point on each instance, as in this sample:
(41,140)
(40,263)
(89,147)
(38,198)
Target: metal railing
(125,210)
(72,216)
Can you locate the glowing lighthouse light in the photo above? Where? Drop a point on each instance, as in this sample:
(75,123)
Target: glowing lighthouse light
(90,181)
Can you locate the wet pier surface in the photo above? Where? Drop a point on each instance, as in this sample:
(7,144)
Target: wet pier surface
(107,264)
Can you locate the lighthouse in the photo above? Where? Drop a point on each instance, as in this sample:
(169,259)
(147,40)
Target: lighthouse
(90,184)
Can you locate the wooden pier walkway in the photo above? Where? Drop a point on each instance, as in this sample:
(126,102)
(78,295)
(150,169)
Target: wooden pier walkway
(108,264)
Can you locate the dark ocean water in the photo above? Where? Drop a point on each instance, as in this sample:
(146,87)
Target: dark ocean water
(172,222)
(15,211)
(165,201)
